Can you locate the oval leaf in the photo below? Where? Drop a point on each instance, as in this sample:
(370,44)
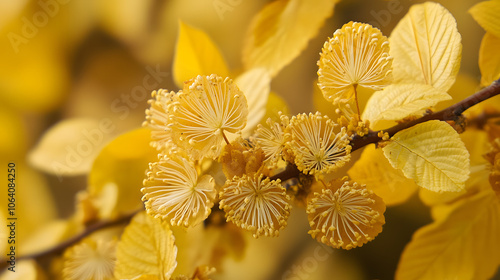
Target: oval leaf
(426,47)
(69,147)
(462,245)
(373,170)
(489,59)
(146,248)
(486,14)
(399,101)
(115,180)
(431,154)
(282,30)
(196,54)
(255,84)
(27,269)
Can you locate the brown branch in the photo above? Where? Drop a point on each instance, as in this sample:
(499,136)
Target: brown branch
(75,239)
(449,114)
(452,113)
(480,120)
(290,172)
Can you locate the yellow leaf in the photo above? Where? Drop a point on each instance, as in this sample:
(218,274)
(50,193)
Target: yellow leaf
(476,142)
(35,205)
(24,270)
(274,105)
(146,277)
(196,54)
(201,273)
(129,21)
(489,59)
(146,247)
(281,31)
(462,245)
(320,103)
(70,147)
(14,143)
(426,47)
(399,101)
(431,154)
(464,86)
(47,236)
(486,14)
(34,73)
(376,172)
(115,180)
(255,84)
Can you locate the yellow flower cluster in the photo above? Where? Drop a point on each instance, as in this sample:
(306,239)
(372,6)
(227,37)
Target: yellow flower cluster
(272,139)
(187,127)
(318,144)
(357,54)
(173,191)
(345,217)
(198,122)
(256,204)
(90,260)
(207,108)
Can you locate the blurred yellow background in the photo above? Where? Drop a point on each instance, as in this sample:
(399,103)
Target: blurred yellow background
(87,68)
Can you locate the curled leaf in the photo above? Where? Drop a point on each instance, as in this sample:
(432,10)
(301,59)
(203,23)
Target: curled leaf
(486,14)
(196,54)
(256,85)
(281,31)
(116,177)
(489,59)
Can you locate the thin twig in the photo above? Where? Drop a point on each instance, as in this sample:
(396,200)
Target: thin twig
(452,113)
(449,114)
(75,239)
(290,172)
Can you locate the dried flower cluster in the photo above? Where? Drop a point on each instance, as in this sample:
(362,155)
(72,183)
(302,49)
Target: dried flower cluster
(198,122)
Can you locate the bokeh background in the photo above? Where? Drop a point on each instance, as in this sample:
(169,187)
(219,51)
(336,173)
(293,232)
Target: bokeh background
(81,64)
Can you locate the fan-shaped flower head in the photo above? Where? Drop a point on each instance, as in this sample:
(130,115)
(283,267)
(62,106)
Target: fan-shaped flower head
(272,139)
(318,144)
(260,206)
(358,54)
(90,260)
(173,191)
(157,116)
(346,217)
(208,107)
